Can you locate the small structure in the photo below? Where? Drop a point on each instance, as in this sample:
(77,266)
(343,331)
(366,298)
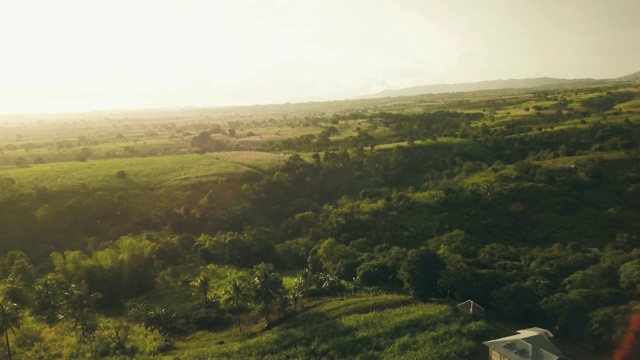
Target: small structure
(470,307)
(528,344)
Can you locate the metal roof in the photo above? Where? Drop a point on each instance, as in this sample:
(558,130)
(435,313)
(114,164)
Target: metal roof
(528,344)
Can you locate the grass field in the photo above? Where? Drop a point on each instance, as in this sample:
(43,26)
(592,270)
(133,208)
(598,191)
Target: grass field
(440,141)
(140,172)
(379,327)
(629,105)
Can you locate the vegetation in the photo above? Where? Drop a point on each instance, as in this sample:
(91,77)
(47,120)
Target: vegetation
(322,230)
(348,329)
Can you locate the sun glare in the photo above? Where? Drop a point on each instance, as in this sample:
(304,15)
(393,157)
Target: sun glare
(77,55)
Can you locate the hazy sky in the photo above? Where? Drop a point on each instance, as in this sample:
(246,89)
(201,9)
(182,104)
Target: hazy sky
(84,55)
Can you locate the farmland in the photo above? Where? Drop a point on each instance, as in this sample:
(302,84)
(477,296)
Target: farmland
(343,229)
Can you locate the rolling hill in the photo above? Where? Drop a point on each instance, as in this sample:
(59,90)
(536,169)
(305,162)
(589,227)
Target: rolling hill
(490,85)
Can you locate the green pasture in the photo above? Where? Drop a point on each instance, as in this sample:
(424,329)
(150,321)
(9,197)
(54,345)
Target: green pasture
(495,176)
(164,171)
(629,105)
(376,327)
(571,160)
(440,141)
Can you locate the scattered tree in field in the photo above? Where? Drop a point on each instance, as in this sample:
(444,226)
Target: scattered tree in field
(7,188)
(39,160)
(10,319)
(201,141)
(201,284)
(297,292)
(21,162)
(266,289)
(120,336)
(79,306)
(235,298)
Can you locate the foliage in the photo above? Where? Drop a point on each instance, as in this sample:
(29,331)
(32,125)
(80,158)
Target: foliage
(421,271)
(266,289)
(532,214)
(9,320)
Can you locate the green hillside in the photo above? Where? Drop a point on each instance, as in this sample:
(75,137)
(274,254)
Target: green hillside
(379,327)
(165,171)
(273,231)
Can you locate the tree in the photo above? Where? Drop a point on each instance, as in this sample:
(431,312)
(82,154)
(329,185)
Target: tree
(607,325)
(630,275)
(48,292)
(266,289)
(23,272)
(583,280)
(202,141)
(120,335)
(9,320)
(456,276)
(297,292)
(78,305)
(316,158)
(235,297)
(420,272)
(331,253)
(568,313)
(517,302)
(201,284)
(21,162)
(375,273)
(457,242)
(8,188)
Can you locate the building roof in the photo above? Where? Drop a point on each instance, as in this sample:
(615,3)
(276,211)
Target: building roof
(542,331)
(469,302)
(470,307)
(528,344)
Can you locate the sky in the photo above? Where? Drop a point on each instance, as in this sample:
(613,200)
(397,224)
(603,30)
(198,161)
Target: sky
(84,55)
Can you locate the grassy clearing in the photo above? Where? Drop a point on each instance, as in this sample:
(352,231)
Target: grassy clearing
(570,160)
(629,105)
(340,329)
(252,159)
(487,177)
(491,177)
(176,170)
(441,140)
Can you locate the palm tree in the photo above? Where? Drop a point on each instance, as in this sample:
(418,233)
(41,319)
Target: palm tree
(266,288)
(202,284)
(297,292)
(9,320)
(79,304)
(235,295)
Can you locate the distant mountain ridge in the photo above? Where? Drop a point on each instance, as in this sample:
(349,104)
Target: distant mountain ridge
(634,76)
(488,85)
